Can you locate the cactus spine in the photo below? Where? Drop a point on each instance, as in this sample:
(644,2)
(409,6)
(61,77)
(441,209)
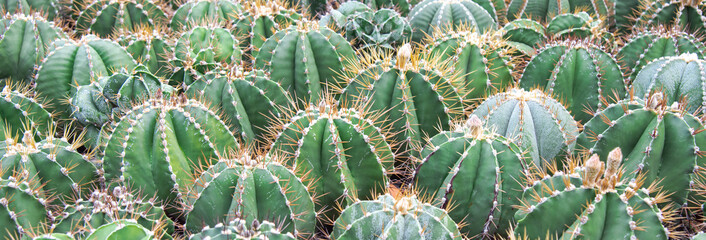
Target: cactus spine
(208,46)
(200,11)
(20,111)
(121,229)
(237,229)
(105,17)
(261,20)
(688,14)
(22,209)
(429,15)
(48,8)
(149,47)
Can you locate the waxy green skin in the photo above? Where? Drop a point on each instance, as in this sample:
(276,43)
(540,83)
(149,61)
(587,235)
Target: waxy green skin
(577,73)
(237,230)
(253,29)
(18,110)
(525,35)
(476,177)
(664,147)
(342,157)
(401,6)
(365,219)
(24,41)
(199,11)
(646,46)
(54,236)
(71,64)
(152,51)
(105,17)
(208,47)
(48,8)
(429,15)
(677,77)
(121,229)
(689,16)
(249,103)
(579,25)
(545,10)
(265,191)
(540,125)
(19,200)
(559,214)
(368,28)
(157,146)
(306,62)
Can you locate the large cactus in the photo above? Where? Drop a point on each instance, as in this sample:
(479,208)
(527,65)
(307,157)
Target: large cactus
(174,136)
(24,40)
(255,188)
(688,14)
(199,11)
(121,229)
(545,10)
(48,8)
(579,74)
(590,201)
(249,101)
(209,46)
(657,140)
(306,59)
(680,78)
(22,210)
(340,153)
(105,17)
(395,217)
(20,111)
(260,20)
(541,125)
(473,172)
(429,15)
(148,46)
(237,229)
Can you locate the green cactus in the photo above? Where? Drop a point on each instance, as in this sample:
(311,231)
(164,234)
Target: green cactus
(312,9)
(473,172)
(24,40)
(237,229)
(483,61)
(149,47)
(261,20)
(644,46)
(105,17)
(681,78)
(53,236)
(306,59)
(77,63)
(249,101)
(156,146)
(430,15)
(22,209)
(659,141)
(200,11)
(382,28)
(541,125)
(336,19)
(20,111)
(47,8)
(395,217)
(578,73)
(252,189)
(624,14)
(545,10)
(525,35)
(401,6)
(589,201)
(121,229)
(208,46)
(579,25)
(81,217)
(688,14)
(417,94)
(340,153)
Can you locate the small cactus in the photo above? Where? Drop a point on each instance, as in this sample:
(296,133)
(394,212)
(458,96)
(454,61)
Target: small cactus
(121,229)
(261,20)
(208,46)
(199,11)
(688,14)
(22,209)
(383,28)
(105,17)
(148,46)
(525,35)
(237,229)
(545,10)
(48,8)
(429,15)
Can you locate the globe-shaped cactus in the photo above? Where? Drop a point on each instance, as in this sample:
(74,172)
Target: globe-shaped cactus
(429,15)
(22,210)
(20,111)
(545,10)
(200,11)
(382,28)
(525,35)
(48,8)
(260,20)
(208,46)
(105,17)
(238,229)
(688,14)
(121,229)
(149,46)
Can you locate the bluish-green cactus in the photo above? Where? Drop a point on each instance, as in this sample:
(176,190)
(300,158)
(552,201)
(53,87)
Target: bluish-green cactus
(48,8)
(121,229)
(149,46)
(525,35)
(260,20)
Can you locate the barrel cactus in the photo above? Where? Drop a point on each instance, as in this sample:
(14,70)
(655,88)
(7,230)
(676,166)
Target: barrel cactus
(105,17)
(688,14)
(525,35)
(20,111)
(305,59)
(591,201)
(660,141)
(22,209)
(383,28)
(237,229)
(176,134)
(401,6)
(200,11)
(541,125)
(417,94)
(646,45)
(578,73)
(209,46)
(545,10)
(429,15)
(579,25)
(249,101)
(339,152)
(48,8)
(460,170)
(24,40)
(252,188)
(483,61)
(678,77)
(122,229)
(395,217)
(261,20)
(149,47)
(53,236)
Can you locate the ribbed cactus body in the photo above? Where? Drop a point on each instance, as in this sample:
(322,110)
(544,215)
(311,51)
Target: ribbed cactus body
(659,141)
(199,11)
(688,14)
(678,77)
(149,47)
(156,147)
(24,40)
(473,173)
(253,190)
(18,110)
(481,60)
(259,22)
(525,35)
(53,236)
(577,73)
(340,153)
(249,101)
(306,59)
(579,25)
(401,6)
(382,28)
(238,229)
(48,8)
(208,46)
(429,15)
(121,229)
(22,210)
(545,10)
(541,125)
(389,217)
(53,164)
(105,17)
(77,63)
(646,46)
